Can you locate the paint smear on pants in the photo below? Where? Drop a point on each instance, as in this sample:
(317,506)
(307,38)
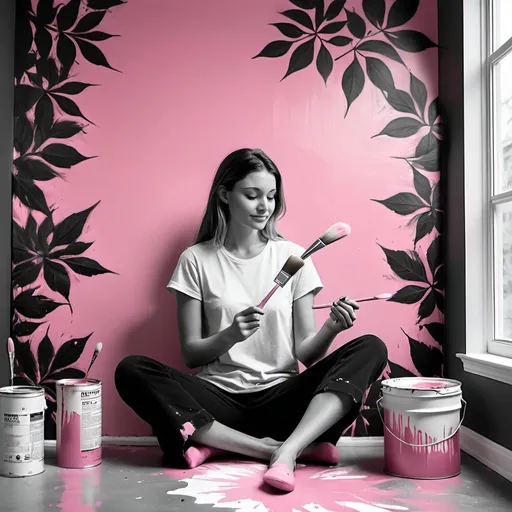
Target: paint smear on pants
(187,430)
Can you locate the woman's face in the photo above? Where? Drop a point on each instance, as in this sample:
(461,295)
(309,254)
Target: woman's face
(252,200)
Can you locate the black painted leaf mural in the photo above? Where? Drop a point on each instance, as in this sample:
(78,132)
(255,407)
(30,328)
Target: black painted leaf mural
(332,28)
(379,74)
(424,225)
(34,306)
(65,129)
(47,39)
(398,372)
(68,353)
(419,93)
(324,62)
(68,230)
(89,21)
(62,155)
(301,57)
(339,40)
(356,24)
(401,127)
(410,294)
(334,9)
(319,13)
(45,353)
(401,12)
(433,111)
(104,4)
(352,82)
(434,254)
(400,101)
(436,330)
(427,144)
(403,203)
(427,306)
(304,4)
(275,49)
(289,30)
(406,265)
(374,10)
(300,17)
(382,48)
(427,360)
(410,40)
(68,15)
(422,185)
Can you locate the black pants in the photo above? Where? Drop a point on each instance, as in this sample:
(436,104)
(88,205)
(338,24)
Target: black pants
(167,399)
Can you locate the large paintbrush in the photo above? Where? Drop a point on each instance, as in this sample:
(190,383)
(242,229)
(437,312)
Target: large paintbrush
(290,268)
(382,296)
(335,232)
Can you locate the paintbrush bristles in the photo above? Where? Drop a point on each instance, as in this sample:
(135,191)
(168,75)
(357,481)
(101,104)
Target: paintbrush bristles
(10,346)
(99,346)
(335,232)
(293,265)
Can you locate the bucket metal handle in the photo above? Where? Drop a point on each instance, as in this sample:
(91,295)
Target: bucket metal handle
(427,444)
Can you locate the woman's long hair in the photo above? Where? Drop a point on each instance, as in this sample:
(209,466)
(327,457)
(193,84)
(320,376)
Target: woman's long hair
(235,167)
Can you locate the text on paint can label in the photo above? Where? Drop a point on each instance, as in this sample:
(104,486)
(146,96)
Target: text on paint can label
(90,438)
(23,437)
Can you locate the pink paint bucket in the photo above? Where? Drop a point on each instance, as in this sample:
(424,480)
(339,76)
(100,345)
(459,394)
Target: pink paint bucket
(421,427)
(78,423)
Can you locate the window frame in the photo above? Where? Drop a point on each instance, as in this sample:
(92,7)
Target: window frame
(484,355)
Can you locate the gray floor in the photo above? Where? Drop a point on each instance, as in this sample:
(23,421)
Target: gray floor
(133,479)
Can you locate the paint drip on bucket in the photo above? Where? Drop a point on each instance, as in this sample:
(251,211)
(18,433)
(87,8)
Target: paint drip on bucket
(78,423)
(22,430)
(421,427)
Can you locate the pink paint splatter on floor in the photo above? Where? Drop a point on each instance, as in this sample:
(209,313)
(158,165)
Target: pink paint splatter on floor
(80,490)
(239,486)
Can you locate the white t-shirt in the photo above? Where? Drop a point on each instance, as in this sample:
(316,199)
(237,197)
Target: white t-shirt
(227,285)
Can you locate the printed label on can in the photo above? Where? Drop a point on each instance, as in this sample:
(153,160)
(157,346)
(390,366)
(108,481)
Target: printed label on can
(90,438)
(23,437)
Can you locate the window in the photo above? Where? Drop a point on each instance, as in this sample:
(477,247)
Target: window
(498,101)
(487,59)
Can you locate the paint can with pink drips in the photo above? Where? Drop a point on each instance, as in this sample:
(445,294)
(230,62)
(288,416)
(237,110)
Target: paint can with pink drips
(422,420)
(79,420)
(22,430)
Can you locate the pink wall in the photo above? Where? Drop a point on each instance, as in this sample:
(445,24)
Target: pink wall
(189,93)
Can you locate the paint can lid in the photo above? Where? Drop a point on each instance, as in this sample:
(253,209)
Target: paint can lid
(22,391)
(84,385)
(437,385)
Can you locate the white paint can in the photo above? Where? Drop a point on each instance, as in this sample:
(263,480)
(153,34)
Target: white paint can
(22,430)
(78,423)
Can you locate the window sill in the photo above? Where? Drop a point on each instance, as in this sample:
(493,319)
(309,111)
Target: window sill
(488,365)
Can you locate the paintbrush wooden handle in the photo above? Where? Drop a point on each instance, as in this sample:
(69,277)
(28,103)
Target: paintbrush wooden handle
(364,299)
(267,298)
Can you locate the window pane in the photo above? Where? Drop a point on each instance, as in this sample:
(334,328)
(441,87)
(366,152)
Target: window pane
(502,27)
(502,80)
(503,271)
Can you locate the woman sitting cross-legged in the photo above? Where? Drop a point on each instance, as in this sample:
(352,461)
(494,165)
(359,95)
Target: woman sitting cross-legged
(249,397)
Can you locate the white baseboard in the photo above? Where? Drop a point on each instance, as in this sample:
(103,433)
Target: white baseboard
(487,452)
(364,442)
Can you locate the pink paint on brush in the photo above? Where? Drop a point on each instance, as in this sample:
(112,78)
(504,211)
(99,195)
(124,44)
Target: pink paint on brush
(439,461)
(10,346)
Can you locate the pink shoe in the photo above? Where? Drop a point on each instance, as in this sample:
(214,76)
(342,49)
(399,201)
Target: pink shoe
(280,477)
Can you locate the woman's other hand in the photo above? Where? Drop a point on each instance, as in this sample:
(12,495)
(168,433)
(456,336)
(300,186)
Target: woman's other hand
(342,314)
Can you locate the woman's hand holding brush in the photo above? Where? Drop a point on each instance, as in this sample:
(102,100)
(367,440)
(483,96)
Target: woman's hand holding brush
(245,324)
(342,315)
